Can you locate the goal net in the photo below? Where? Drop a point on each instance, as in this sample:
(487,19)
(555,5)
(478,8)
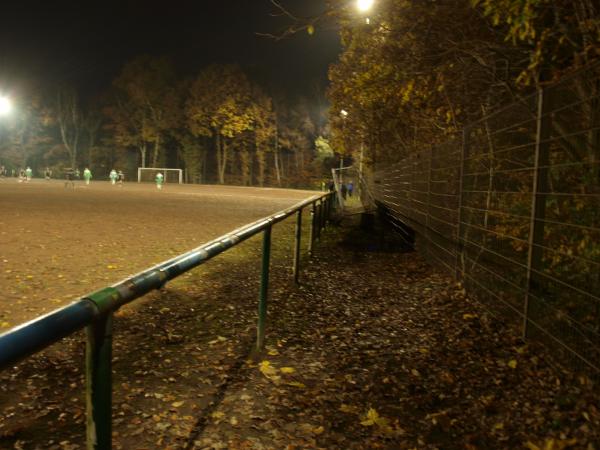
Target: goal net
(148,174)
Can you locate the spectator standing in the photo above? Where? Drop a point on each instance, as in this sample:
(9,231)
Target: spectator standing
(87,175)
(344,191)
(350,188)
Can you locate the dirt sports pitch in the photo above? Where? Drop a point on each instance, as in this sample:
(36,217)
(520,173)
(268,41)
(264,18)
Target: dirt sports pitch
(58,243)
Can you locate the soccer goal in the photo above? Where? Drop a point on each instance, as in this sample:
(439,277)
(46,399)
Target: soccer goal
(148,174)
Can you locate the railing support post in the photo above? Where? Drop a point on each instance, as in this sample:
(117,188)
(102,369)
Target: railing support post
(297,246)
(264,289)
(311,239)
(99,384)
(318,219)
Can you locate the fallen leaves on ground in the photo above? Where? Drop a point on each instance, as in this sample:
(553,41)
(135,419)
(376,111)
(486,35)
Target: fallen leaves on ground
(372,350)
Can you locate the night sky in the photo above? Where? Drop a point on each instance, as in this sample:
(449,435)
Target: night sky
(85,44)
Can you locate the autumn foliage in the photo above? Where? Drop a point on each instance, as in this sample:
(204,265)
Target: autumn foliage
(219,125)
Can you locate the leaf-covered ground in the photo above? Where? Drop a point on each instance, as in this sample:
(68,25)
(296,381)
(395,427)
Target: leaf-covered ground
(372,350)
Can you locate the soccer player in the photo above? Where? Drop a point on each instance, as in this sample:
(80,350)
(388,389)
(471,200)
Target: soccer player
(28,173)
(159,180)
(69,178)
(120,178)
(113,176)
(87,175)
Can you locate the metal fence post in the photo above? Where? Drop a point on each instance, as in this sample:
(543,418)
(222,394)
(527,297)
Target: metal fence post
(99,384)
(460,248)
(318,219)
(297,246)
(538,199)
(264,289)
(311,239)
(427,218)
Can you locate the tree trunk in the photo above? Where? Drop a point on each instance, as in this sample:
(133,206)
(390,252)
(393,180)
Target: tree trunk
(225,160)
(277,172)
(251,169)
(222,156)
(276,156)
(219,156)
(156,151)
(90,148)
(74,147)
(262,161)
(204,160)
(69,121)
(142,149)
(245,163)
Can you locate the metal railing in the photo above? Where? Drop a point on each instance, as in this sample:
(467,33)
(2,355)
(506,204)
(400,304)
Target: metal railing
(512,210)
(95,311)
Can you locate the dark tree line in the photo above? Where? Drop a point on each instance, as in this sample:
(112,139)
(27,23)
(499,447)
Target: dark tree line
(219,126)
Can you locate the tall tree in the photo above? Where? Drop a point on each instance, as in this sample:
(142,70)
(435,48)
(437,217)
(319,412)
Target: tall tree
(412,77)
(219,106)
(70,122)
(296,135)
(264,130)
(92,125)
(145,105)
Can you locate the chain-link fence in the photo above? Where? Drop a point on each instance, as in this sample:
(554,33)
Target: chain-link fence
(513,211)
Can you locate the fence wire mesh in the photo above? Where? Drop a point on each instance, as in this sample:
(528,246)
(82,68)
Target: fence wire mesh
(513,211)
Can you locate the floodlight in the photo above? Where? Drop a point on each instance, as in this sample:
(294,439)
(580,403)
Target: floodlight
(364,5)
(5,106)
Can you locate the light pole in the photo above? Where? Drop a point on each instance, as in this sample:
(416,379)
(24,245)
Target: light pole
(344,114)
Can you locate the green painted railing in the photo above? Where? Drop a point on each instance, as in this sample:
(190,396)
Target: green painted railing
(95,311)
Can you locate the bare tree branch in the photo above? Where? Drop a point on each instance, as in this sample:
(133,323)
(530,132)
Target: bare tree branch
(297,23)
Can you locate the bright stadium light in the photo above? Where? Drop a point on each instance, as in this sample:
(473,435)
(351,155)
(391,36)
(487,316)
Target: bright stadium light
(344,113)
(5,106)
(364,5)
